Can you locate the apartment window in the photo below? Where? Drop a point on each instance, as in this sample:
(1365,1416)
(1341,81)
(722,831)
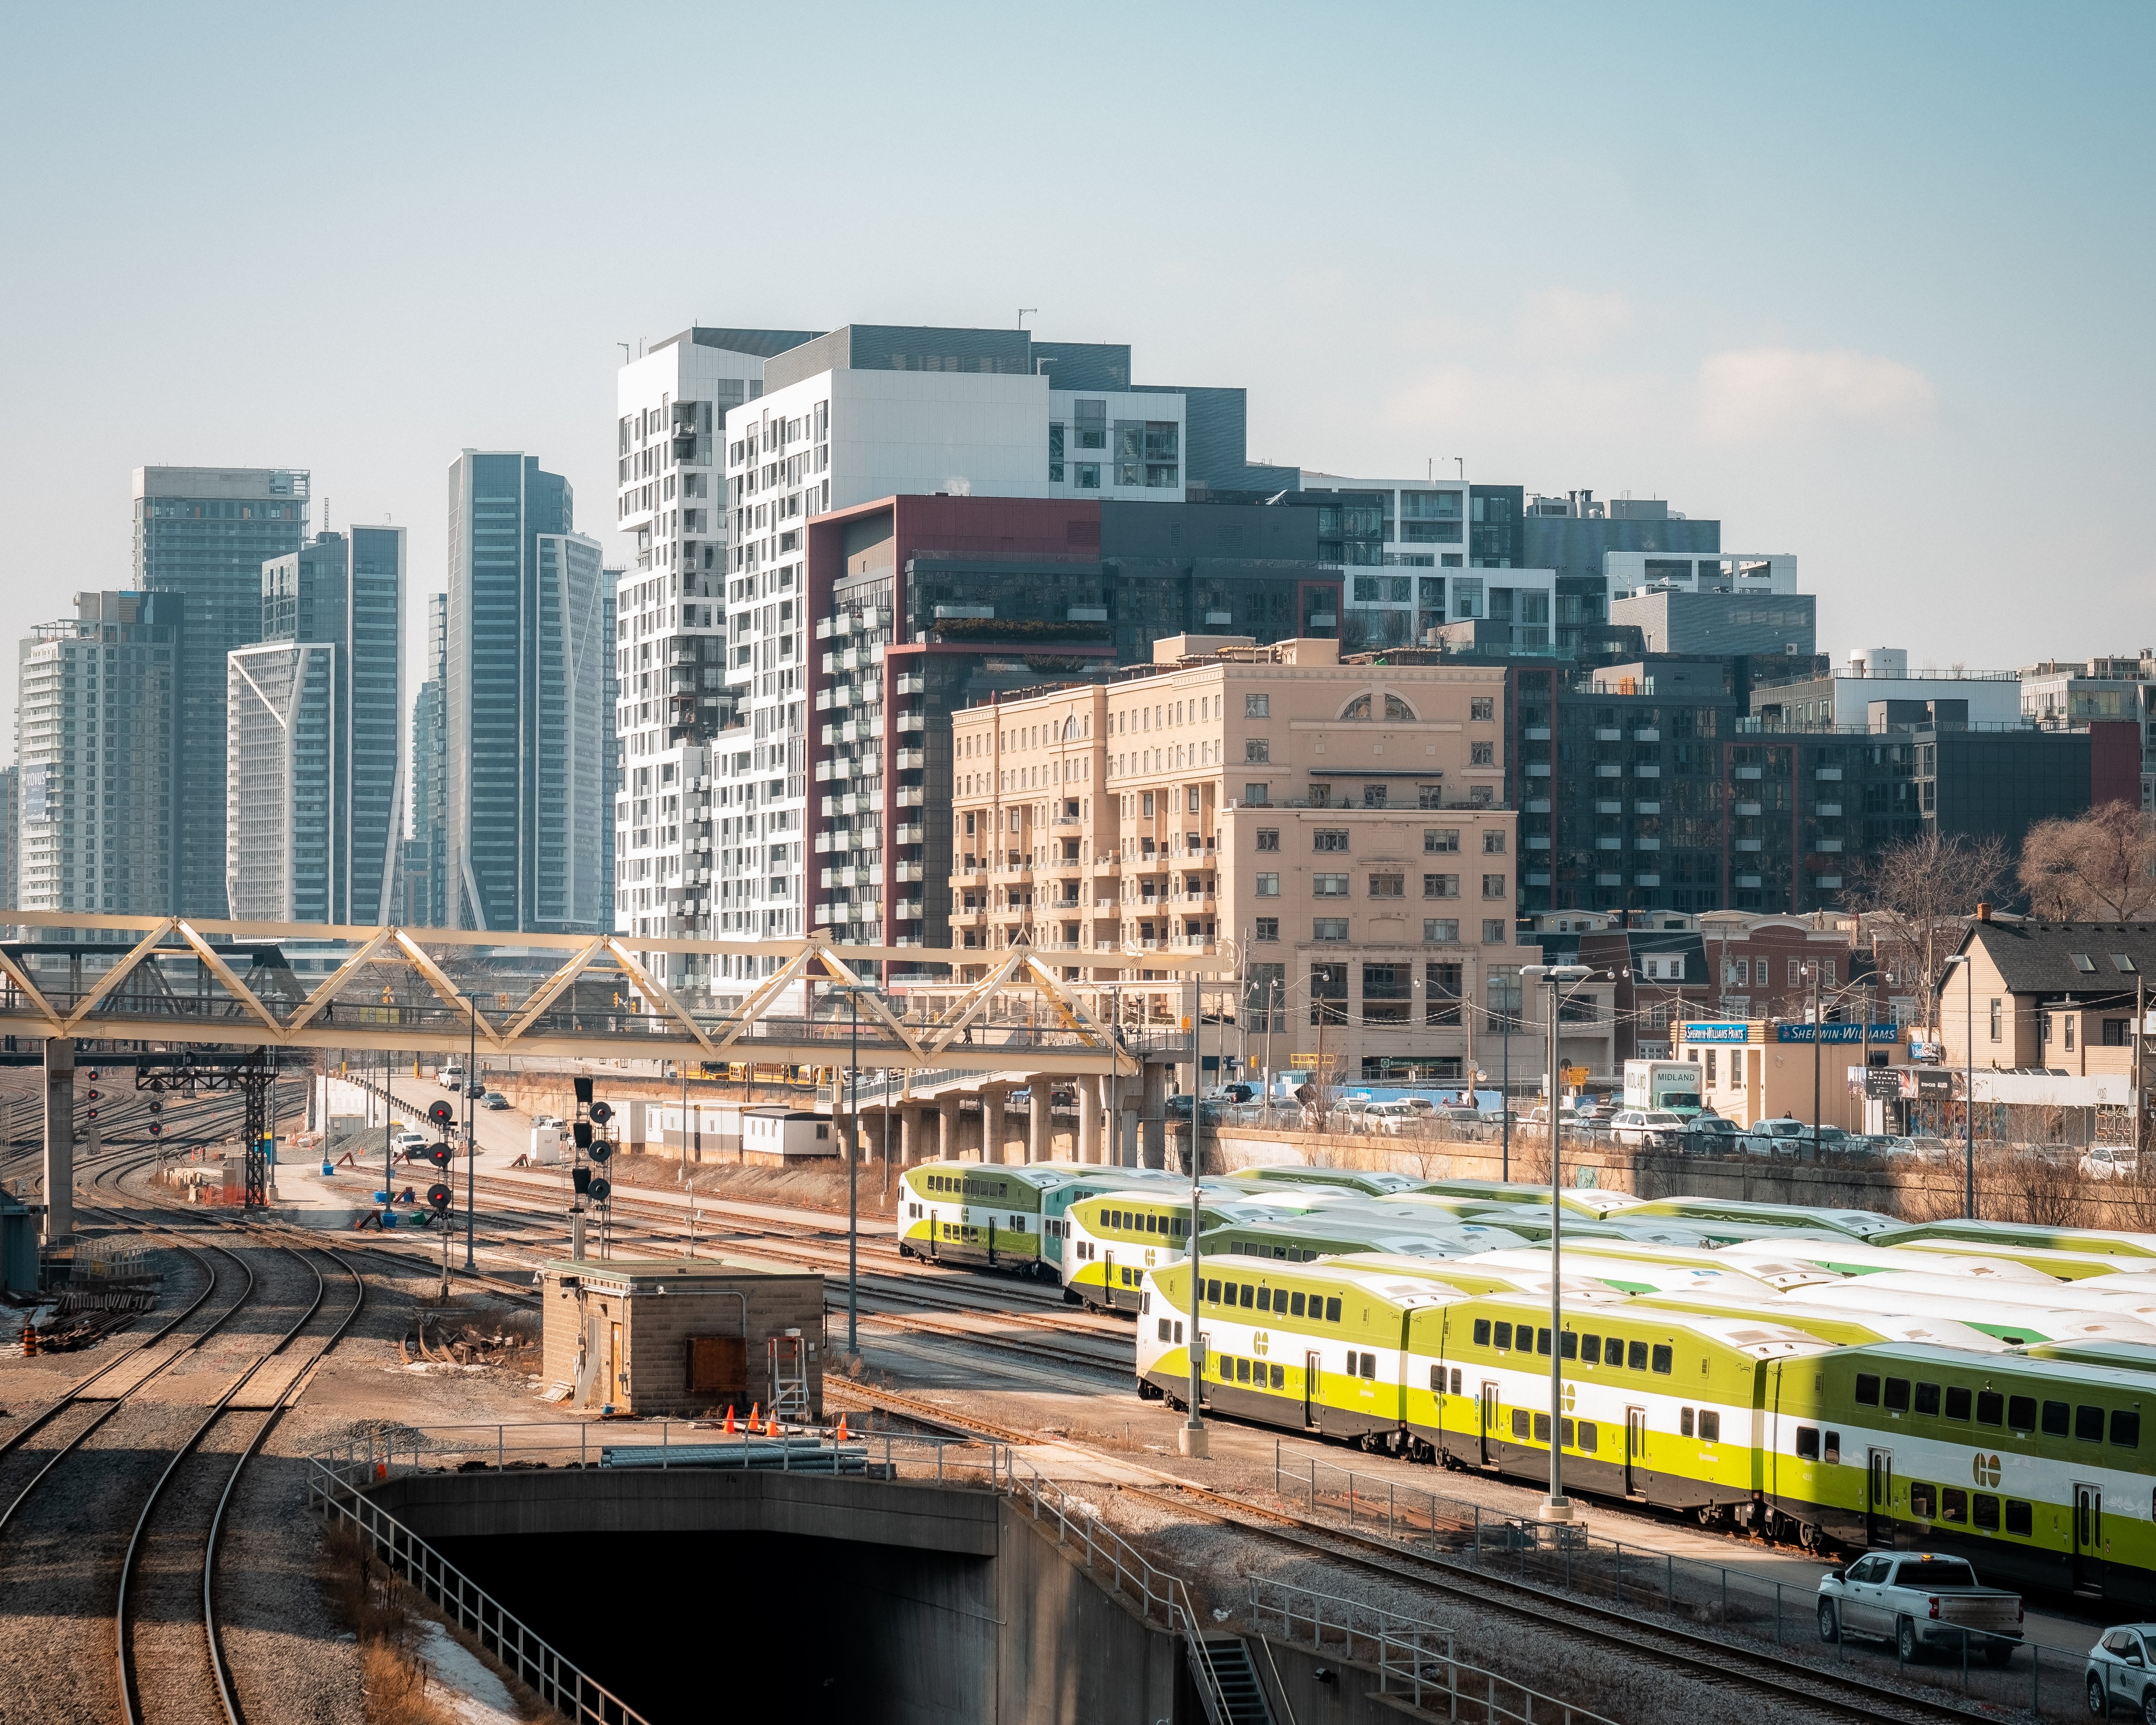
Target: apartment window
(1329,928)
(1493,887)
(1328,993)
(1441,995)
(1481,794)
(1495,932)
(1440,886)
(1257,750)
(1266,928)
(1387,887)
(1328,885)
(1998,1020)
(1268,837)
(1257,707)
(1437,840)
(1268,886)
(1088,475)
(1481,754)
(1329,838)
(1257,795)
(1493,843)
(1376,796)
(1385,992)
(1482,706)
(1440,931)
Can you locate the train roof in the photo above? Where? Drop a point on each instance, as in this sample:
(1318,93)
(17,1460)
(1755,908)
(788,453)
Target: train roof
(1383,1281)
(1861,1258)
(2058,1261)
(1862,1224)
(2064,1371)
(2105,1242)
(1822,1322)
(1306,1173)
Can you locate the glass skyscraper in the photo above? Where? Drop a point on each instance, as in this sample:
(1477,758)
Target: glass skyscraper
(204,533)
(426,853)
(530,719)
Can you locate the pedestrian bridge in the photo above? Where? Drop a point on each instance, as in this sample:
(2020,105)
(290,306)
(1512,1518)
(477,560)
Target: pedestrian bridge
(169,979)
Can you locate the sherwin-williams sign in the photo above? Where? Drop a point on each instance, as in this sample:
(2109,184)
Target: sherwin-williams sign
(1738,1032)
(1835,1033)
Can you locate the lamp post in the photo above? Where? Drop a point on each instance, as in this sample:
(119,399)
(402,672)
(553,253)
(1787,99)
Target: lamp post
(1969,1077)
(471,1127)
(1192,1440)
(1557,1507)
(853,992)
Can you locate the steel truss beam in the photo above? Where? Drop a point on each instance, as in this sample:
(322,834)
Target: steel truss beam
(962,1036)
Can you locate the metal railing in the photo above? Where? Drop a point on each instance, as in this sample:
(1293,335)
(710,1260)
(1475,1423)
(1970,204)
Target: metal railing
(1124,1568)
(1414,1659)
(1734,1602)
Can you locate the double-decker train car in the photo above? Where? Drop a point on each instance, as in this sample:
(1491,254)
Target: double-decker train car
(983,1213)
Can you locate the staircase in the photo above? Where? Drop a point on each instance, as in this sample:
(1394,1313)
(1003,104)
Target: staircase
(1239,1688)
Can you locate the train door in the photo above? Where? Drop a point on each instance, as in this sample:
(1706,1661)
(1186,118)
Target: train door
(992,1242)
(1879,1499)
(1635,1452)
(1108,1277)
(2088,1538)
(1310,1405)
(1488,1424)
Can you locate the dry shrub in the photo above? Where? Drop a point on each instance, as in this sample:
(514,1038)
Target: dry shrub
(378,1607)
(2020,1186)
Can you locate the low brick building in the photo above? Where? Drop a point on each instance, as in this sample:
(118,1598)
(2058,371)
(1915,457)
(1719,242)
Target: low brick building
(667,1337)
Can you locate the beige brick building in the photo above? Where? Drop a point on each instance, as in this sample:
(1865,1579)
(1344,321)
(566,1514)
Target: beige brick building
(1336,831)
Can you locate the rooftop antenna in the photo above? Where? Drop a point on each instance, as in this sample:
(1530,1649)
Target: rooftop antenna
(1023,312)
(1462,461)
(624,346)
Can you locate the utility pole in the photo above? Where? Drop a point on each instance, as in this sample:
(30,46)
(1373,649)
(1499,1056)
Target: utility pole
(1818,1031)
(471,1143)
(1557,1507)
(1192,1440)
(2140,1107)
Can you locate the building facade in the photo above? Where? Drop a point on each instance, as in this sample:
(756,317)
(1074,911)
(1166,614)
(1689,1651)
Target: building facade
(98,736)
(1339,826)
(315,788)
(2061,696)
(204,533)
(529,718)
(427,848)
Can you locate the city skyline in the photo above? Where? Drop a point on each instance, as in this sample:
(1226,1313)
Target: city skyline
(1844,328)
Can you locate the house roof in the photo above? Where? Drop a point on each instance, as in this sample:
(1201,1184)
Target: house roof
(2074,960)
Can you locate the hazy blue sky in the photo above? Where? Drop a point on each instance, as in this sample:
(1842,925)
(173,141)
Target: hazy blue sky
(1870,283)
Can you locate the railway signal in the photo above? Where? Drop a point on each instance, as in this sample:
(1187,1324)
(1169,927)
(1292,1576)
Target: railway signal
(440,1196)
(439,1154)
(157,1128)
(442,1114)
(580,1180)
(602,1112)
(601,1150)
(601,1189)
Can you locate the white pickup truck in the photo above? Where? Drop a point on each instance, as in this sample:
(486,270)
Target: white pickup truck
(1915,1600)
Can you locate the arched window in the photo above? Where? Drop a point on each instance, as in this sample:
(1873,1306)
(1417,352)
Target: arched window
(1395,708)
(1358,708)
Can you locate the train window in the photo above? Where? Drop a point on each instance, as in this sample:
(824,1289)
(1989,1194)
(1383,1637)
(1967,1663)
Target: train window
(1212,1292)
(1504,1335)
(1710,1426)
(1333,1310)
(1571,1344)
(1898,1395)
(2020,1517)
(1807,1443)
(1927,1399)
(1017,1224)
(1984,1511)
(1481,1332)
(1867,1389)
(1163,1329)
(1520,1423)
(1250,1293)
(1542,1342)
(1587,1435)
(1437,1380)
(1990,1407)
(1953,1504)
(1370,1366)
(1242,1371)
(1590,1349)
(1294,1304)
(1834,1449)
(1664,1358)
(1279,1377)
(1684,1423)
(1455,1380)
(2126,1429)
(1542,1428)
(1957,1401)
(1635,1356)
(1924,1500)
(2088,1424)
(2021,1412)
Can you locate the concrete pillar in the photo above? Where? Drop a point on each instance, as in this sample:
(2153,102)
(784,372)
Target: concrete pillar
(59,1137)
(992,1121)
(946,1128)
(1152,1115)
(909,1139)
(1088,1119)
(1040,1121)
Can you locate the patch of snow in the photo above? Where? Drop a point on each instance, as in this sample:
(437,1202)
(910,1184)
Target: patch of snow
(463,1687)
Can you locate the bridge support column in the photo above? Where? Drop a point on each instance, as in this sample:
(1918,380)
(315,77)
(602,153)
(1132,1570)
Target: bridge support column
(1152,1115)
(1040,1118)
(947,1129)
(59,1137)
(1088,1119)
(992,1121)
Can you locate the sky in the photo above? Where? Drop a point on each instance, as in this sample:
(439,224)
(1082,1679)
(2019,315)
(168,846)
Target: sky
(1869,284)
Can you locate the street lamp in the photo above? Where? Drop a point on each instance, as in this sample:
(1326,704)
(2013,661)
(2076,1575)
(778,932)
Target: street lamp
(471,1126)
(1968,1073)
(853,992)
(1556,1507)
(1192,1440)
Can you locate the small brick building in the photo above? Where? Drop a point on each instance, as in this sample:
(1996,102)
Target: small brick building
(666,1337)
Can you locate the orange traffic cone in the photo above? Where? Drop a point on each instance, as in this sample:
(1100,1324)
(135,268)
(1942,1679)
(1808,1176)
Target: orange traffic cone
(772,1429)
(755,1415)
(30,1343)
(730,1418)
(842,1428)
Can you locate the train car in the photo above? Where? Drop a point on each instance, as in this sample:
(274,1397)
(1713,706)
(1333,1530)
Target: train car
(1632,1269)
(1857,1258)
(1843,1329)
(1086,1181)
(2097,1242)
(1369,1181)
(983,1213)
(2016,1324)
(1313,1347)
(1299,1239)
(1831,1219)
(1531,1222)
(2064,1265)
(1582,1200)
(1112,1239)
(2037,1470)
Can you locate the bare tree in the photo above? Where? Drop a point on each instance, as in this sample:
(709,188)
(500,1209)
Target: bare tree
(2098,867)
(1917,897)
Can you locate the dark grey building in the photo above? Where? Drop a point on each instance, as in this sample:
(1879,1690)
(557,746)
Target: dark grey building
(427,851)
(1722,625)
(204,533)
(529,721)
(1570,535)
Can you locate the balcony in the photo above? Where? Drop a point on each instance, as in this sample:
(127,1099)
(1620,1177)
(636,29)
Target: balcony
(1744,807)
(1746,772)
(1609,841)
(907,909)
(1827,773)
(1538,769)
(912,760)
(915,834)
(1829,808)
(1647,733)
(1609,734)
(911,683)
(1537,733)
(909,795)
(906,871)
(1647,769)
(1537,841)
(1828,846)
(911,721)
(1748,844)
(1608,769)
(1646,844)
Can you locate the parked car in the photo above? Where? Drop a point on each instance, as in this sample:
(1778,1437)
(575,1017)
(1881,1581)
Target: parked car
(451,1077)
(2122,1667)
(1232,1093)
(476,1089)
(541,1120)
(1780,1136)
(1539,1115)
(1710,1135)
(2108,1161)
(1646,1128)
(1390,1117)
(1915,1600)
(493,1099)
